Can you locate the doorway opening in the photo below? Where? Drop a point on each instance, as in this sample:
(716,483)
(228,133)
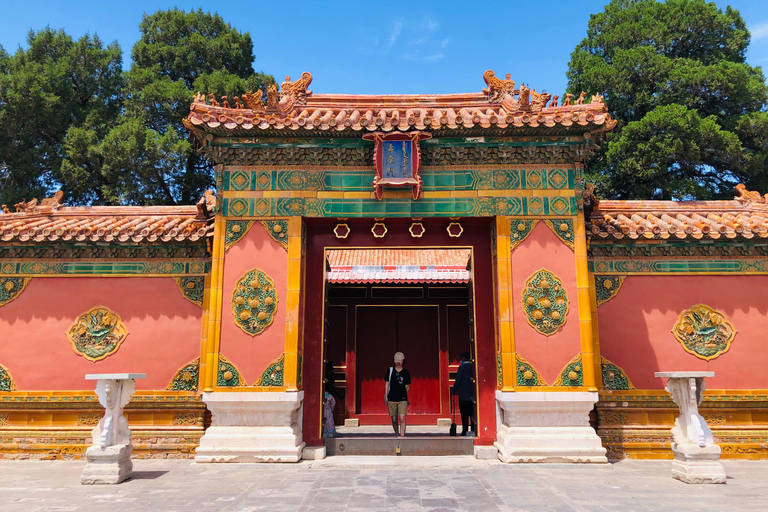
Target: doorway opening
(369,319)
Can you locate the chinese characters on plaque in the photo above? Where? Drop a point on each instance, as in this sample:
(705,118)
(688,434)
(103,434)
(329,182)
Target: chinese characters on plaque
(396,159)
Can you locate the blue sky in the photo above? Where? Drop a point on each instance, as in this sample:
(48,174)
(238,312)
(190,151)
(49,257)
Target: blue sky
(355,47)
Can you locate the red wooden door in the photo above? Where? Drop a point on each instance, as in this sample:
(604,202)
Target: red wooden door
(380,332)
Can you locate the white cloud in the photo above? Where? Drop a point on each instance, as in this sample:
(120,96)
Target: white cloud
(759,31)
(394,35)
(444,43)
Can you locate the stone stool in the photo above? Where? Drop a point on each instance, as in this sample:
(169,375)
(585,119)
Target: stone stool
(697,458)
(109,459)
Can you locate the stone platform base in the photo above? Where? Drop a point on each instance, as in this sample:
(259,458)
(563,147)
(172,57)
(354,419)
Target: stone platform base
(253,427)
(547,427)
(110,465)
(696,465)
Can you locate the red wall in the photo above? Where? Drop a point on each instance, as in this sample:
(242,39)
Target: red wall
(164,331)
(252,354)
(636,328)
(547,354)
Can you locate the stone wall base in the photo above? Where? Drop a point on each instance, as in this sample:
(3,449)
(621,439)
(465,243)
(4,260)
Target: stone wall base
(547,427)
(253,427)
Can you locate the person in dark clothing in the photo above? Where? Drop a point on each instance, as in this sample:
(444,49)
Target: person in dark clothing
(465,388)
(396,393)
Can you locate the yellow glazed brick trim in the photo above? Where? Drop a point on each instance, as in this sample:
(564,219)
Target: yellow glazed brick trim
(584,304)
(209,359)
(292,331)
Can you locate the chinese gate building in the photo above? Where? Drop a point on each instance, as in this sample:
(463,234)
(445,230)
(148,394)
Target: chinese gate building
(346,228)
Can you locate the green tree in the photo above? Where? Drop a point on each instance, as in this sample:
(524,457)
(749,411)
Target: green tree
(180,53)
(56,85)
(690,110)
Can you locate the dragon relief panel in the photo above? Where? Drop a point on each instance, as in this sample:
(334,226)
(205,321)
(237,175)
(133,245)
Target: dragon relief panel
(704,331)
(97,333)
(254,302)
(545,302)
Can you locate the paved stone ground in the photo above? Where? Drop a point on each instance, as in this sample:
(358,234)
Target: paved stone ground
(383,483)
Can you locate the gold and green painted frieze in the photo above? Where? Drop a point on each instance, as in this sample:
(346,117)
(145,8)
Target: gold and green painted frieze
(102,267)
(241,178)
(357,152)
(555,206)
(110,251)
(652,266)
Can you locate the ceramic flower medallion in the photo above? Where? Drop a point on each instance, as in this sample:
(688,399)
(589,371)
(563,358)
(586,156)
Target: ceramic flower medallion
(545,302)
(254,302)
(704,331)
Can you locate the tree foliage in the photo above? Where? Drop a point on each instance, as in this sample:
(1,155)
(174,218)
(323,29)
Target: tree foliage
(71,118)
(689,108)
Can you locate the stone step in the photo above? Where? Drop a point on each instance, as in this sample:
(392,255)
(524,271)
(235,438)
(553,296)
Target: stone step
(391,445)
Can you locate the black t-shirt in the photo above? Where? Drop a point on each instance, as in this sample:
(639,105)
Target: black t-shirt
(397,383)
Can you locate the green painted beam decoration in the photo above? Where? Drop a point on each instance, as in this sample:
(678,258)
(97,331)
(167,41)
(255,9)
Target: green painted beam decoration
(90,268)
(614,378)
(228,375)
(563,229)
(547,206)
(607,287)
(527,374)
(703,266)
(254,302)
(187,378)
(572,374)
(519,230)
(359,179)
(6,381)
(278,230)
(235,230)
(11,288)
(499,371)
(273,375)
(192,287)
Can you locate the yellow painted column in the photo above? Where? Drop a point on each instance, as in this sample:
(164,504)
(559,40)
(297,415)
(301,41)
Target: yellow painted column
(204,334)
(292,333)
(584,303)
(210,356)
(504,293)
(595,334)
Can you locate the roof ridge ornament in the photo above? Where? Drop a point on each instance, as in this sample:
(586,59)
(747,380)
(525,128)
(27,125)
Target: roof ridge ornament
(206,207)
(47,205)
(296,93)
(748,196)
(498,90)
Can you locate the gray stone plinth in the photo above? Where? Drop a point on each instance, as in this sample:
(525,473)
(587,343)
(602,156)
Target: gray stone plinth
(547,427)
(253,427)
(110,465)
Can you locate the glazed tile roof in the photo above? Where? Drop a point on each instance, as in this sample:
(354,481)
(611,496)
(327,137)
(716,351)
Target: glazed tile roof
(106,224)
(398,266)
(501,107)
(647,220)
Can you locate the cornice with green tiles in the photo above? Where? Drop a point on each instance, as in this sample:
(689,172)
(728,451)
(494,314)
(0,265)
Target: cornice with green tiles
(542,206)
(679,266)
(105,267)
(361,179)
